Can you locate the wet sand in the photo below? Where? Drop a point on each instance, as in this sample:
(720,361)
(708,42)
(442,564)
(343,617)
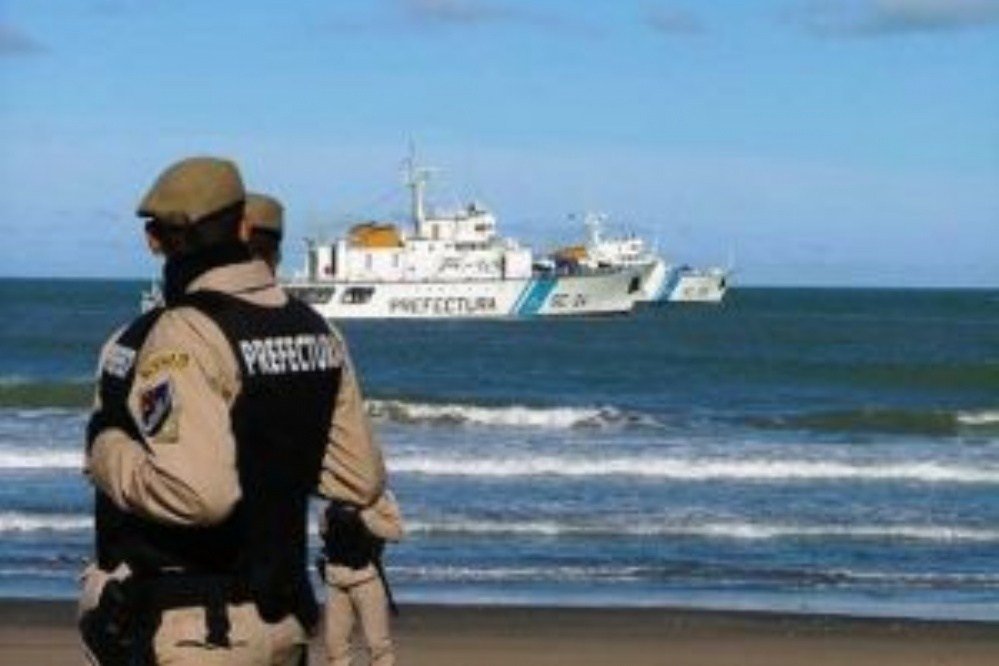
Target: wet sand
(33,632)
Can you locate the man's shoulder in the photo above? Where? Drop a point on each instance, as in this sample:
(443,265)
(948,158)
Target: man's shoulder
(178,336)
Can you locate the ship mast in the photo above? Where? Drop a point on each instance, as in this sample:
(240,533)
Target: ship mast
(416,181)
(592,222)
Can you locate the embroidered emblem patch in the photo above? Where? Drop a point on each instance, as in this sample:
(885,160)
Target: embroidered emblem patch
(119,360)
(165,360)
(156,404)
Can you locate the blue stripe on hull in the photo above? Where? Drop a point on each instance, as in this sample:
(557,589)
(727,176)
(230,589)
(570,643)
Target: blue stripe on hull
(534,297)
(520,297)
(669,284)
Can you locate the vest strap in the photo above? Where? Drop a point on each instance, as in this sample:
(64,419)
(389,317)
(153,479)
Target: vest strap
(212,593)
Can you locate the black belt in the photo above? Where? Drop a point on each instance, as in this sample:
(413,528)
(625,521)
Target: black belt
(213,593)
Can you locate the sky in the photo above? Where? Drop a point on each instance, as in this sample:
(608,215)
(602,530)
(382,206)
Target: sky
(807,142)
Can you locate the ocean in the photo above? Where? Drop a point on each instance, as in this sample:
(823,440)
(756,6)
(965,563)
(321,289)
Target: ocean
(806,450)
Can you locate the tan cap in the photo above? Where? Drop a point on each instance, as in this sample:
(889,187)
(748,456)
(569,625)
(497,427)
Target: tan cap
(192,189)
(264,212)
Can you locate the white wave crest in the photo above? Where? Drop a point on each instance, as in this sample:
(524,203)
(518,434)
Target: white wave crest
(985,417)
(517,416)
(741,531)
(920,579)
(16,521)
(683,469)
(23,458)
(624,573)
(524,573)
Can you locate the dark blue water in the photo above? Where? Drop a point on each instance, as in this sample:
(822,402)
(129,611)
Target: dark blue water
(818,450)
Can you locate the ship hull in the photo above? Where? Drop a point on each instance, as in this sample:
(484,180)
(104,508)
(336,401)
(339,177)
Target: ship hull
(699,288)
(612,292)
(658,283)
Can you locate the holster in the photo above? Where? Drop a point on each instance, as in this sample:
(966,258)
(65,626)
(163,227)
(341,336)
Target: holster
(109,631)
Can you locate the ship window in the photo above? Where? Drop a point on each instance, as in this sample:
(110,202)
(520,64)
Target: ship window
(315,296)
(358,295)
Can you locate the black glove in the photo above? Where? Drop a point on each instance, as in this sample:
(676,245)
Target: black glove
(108,631)
(347,541)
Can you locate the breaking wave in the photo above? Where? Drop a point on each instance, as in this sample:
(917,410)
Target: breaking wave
(518,416)
(984,418)
(522,573)
(884,420)
(683,469)
(687,572)
(16,521)
(23,458)
(739,531)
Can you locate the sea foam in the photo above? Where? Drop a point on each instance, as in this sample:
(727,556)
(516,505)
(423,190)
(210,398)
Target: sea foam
(726,530)
(17,521)
(516,416)
(24,458)
(694,469)
(982,418)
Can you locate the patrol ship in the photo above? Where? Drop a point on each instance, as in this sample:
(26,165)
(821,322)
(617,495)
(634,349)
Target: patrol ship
(452,265)
(662,282)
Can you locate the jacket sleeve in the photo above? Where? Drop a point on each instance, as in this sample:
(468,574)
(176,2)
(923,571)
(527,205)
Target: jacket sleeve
(353,466)
(183,471)
(384,519)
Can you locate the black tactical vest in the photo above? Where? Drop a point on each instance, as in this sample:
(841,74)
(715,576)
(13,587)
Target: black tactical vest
(290,367)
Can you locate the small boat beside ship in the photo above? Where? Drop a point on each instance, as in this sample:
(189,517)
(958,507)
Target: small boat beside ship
(662,282)
(453,264)
(699,285)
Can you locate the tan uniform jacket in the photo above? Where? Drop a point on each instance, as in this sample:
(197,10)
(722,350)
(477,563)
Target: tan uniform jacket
(188,474)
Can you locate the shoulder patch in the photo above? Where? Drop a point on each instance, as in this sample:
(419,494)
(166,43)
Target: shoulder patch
(119,360)
(163,360)
(156,405)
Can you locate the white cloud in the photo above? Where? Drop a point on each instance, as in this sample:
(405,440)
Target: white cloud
(670,21)
(443,14)
(14,42)
(871,18)
(460,11)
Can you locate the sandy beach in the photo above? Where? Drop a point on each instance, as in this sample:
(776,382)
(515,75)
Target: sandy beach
(39,632)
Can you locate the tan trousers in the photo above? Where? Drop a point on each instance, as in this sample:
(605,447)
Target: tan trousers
(180,639)
(368,602)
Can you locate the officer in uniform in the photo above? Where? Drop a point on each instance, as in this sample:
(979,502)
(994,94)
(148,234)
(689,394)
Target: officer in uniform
(216,416)
(265,217)
(354,538)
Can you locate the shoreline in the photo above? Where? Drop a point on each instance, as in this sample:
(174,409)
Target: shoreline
(42,632)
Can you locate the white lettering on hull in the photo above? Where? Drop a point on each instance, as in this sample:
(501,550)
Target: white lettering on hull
(442,305)
(569,302)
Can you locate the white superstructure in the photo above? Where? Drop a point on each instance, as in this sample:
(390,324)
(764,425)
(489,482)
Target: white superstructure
(661,281)
(452,264)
